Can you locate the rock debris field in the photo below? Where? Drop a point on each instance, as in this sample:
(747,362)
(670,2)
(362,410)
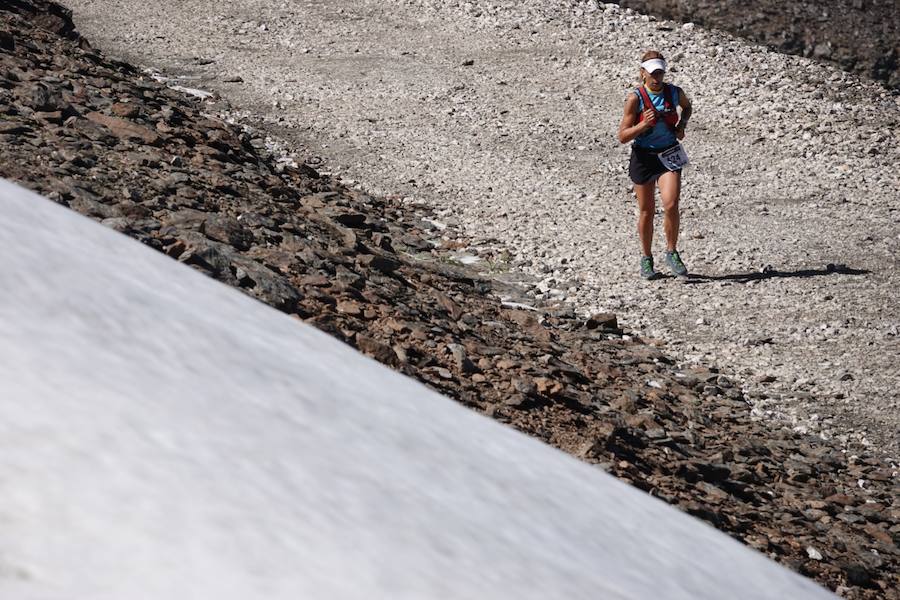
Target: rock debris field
(502,116)
(152,161)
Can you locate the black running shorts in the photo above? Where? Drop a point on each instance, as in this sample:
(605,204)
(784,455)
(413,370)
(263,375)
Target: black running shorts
(645,165)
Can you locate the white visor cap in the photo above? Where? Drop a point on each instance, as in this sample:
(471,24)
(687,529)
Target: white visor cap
(654,64)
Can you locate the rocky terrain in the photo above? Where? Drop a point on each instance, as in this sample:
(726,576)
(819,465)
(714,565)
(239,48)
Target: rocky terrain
(501,117)
(115,144)
(859,36)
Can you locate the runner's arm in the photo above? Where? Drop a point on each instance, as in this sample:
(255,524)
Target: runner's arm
(628,130)
(685,103)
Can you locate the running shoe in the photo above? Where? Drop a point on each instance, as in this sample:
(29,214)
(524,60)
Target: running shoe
(674,262)
(647,271)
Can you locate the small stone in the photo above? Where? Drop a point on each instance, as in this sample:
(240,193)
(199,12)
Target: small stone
(401,353)
(443,373)
(449,305)
(841,499)
(349,307)
(125,109)
(461,359)
(548,387)
(602,321)
(822,50)
(516,400)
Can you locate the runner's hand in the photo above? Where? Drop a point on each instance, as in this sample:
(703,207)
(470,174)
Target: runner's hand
(679,133)
(649,119)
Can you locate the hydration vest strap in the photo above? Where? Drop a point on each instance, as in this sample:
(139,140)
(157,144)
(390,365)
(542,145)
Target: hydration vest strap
(669,96)
(668,102)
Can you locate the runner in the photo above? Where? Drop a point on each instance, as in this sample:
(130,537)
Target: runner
(652,121)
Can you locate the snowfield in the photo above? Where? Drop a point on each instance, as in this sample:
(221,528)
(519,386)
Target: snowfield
(164,436)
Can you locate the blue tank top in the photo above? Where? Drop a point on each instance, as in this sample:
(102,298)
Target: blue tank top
(660,136)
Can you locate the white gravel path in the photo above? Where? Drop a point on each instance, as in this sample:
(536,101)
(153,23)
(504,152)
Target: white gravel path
(502,115)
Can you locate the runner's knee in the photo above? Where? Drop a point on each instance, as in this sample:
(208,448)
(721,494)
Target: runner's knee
(670,205)
(647,209)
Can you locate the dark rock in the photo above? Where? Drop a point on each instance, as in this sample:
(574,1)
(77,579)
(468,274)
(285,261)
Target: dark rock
(210,256)
(712,472)
(348,278)
(858,574)
(355,220)
(602,321)
(7,41)
(268,286)
(228,230)
(379,263)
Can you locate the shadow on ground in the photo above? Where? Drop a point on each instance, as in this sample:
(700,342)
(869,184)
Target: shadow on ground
(774,273)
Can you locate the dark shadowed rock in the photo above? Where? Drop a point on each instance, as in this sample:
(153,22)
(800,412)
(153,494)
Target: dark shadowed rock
(227,230)
(7,41)
(603,321)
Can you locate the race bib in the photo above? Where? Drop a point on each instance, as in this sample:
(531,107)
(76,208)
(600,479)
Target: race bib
(674,158)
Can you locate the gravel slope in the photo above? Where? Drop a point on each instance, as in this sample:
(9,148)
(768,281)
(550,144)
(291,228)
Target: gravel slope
(502,115)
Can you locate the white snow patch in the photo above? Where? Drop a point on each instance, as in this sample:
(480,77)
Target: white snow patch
(517,305)
(164,436)
(465,258)
(202,94)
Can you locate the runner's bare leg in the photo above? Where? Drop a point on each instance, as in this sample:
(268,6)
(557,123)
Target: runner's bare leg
(646,209)
(670,194)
